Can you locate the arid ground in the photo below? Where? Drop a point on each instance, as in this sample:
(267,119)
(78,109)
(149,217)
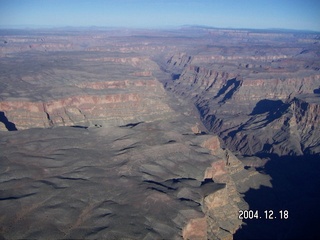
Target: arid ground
(159,134)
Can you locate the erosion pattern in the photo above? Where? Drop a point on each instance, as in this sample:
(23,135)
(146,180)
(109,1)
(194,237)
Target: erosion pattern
(104,151)
(137,181)
(259,92)
(259,96)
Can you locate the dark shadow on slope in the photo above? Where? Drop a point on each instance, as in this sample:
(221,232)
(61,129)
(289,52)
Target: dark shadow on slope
(295,188)
(317,91)
(9,125)
(207,181)
(274,109)
(131,125)
(229,94)
(266,105)
(79,126)
(175,76)
(231,86)
(208,187)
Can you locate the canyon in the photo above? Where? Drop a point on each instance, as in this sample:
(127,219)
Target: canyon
(159,134)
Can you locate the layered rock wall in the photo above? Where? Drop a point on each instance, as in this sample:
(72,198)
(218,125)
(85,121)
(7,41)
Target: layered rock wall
(240,91)
(306,109)
(142,104)
(222,207)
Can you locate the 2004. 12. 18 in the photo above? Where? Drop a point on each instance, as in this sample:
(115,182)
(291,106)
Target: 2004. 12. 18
(267,214)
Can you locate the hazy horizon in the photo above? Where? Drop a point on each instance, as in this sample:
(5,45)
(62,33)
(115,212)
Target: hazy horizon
(251,14)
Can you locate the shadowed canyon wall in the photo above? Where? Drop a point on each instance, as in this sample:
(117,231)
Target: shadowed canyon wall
(253,98)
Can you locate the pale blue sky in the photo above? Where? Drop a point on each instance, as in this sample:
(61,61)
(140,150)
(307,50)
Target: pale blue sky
(290,14)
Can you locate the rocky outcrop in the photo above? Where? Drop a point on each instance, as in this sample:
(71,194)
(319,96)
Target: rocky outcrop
(212,144)
(196,229)
(222,207)
(276,127)
(306,121)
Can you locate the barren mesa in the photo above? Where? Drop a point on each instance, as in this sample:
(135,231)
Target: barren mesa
(158,134)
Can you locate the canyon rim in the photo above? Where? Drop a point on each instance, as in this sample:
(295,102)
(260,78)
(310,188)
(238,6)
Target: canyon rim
(159,134)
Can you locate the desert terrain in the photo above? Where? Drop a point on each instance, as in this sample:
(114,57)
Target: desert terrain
(113,133)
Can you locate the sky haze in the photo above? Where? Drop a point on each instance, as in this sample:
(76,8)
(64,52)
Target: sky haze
(288,14)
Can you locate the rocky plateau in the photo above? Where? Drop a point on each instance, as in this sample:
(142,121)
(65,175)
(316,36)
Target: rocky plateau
(167,134)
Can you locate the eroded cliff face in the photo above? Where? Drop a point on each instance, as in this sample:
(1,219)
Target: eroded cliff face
(261,97)
(141,102)
(222,207)
(248,99)
(79,88)
(306,109)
